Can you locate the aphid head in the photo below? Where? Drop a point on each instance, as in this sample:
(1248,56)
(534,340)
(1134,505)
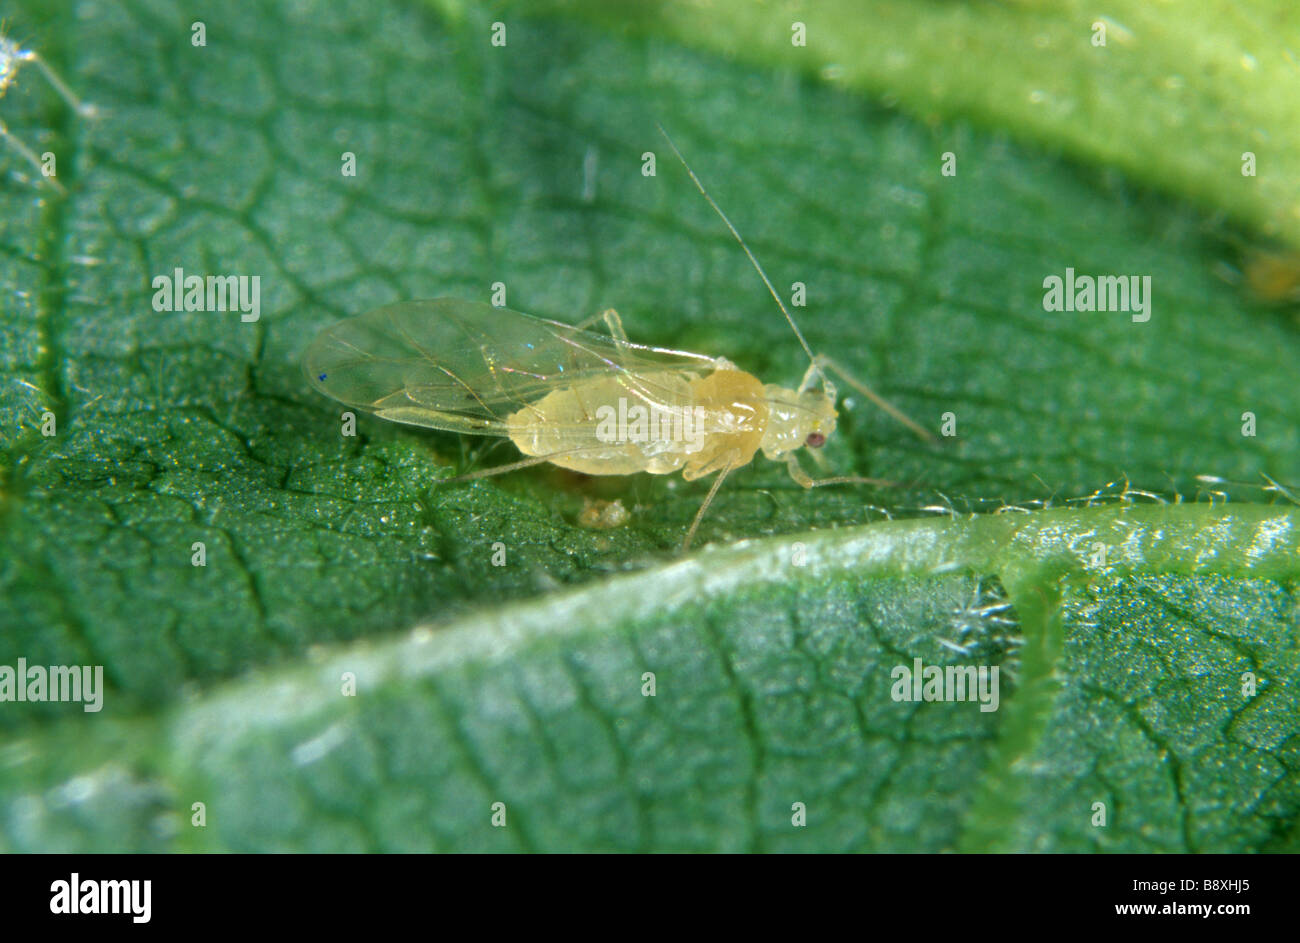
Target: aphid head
(820,405)
(820,422)
(796,419)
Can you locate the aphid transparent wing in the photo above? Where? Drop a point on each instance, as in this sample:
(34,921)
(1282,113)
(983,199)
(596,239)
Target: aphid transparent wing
(466,366)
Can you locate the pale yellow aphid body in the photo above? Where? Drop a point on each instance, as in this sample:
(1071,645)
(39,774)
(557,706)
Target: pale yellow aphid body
(469,367)
(594,403)
(12,58)
(738,416)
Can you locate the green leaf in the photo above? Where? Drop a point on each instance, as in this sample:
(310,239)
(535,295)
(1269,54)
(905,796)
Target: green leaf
(1174,99)
(1123,673)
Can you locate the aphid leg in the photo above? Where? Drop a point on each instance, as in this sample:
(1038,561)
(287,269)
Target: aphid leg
(819,458)
(802,478)
(586,323)
(495,470)
(730,463)
(12,56)
(822,362)
(31,157)
(615,325)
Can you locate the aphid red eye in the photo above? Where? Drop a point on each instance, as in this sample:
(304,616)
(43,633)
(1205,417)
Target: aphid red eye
(815,440)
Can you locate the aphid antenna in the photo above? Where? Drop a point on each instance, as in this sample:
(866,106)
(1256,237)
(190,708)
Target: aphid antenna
(826,385)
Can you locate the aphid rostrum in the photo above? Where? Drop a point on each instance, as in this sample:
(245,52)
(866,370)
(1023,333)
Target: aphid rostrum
(13,57)
(562,393)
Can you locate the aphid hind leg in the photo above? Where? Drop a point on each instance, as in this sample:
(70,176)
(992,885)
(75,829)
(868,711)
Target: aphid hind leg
(586,323)
(822,362)
(495,470)
(613,323)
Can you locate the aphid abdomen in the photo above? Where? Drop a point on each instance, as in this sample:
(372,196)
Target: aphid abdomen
(610,426)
